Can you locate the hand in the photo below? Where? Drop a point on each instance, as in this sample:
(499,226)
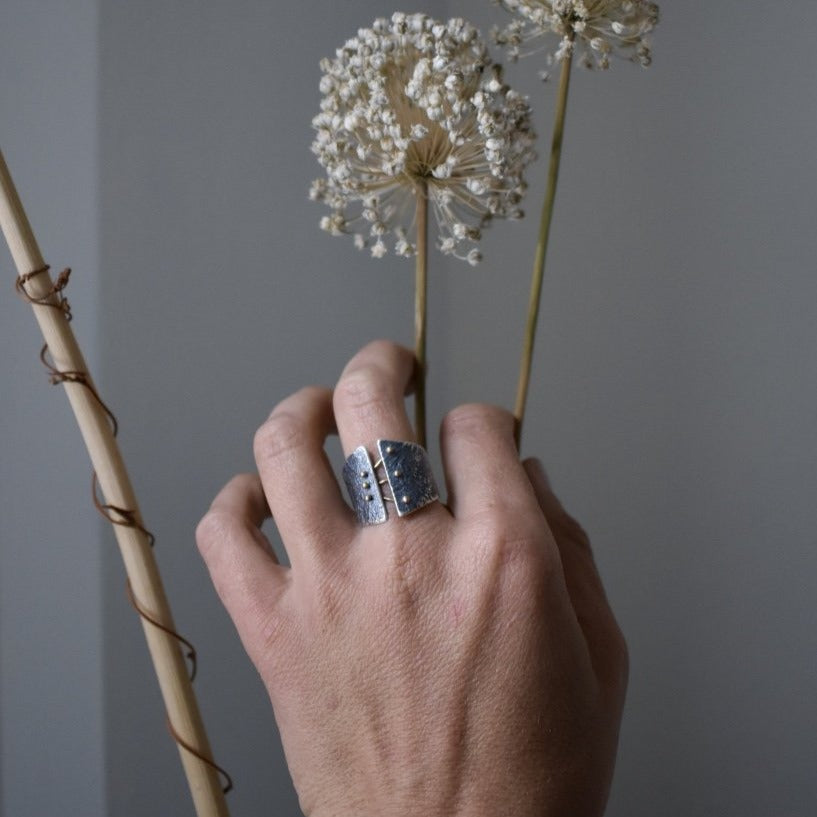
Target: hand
(459,662)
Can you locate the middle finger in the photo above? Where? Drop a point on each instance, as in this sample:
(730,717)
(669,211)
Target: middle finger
(369,398)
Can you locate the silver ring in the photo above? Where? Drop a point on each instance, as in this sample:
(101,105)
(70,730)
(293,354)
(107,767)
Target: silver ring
(401,477)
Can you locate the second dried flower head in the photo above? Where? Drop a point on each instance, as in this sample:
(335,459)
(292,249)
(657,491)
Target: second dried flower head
(414,107)
(599,27)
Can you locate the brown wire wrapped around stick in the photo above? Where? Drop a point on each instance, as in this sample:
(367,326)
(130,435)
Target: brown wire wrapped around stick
(114,515)
(66,365)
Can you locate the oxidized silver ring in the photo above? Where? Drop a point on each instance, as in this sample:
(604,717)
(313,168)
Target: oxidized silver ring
(401,477)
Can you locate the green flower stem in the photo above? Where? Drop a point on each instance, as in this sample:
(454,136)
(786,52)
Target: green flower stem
(541,248)
(420,299)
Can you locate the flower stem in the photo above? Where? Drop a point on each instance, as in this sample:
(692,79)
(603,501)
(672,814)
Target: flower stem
(541,248)
(420,299)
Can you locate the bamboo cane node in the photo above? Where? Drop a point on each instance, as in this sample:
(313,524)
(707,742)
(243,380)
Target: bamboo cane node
(227,780)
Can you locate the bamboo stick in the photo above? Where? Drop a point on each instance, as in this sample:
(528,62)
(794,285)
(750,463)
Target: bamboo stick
(114,482)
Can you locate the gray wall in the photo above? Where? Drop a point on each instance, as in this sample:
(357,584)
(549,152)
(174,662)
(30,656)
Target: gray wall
(165,146)
(51,614)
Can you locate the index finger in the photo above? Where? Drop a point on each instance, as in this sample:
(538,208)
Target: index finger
(303,493)
(240,559)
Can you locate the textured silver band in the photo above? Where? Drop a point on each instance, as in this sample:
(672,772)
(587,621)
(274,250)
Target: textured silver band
(401,477)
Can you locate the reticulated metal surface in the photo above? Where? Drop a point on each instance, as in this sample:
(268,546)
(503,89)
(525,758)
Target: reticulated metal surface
(401,477)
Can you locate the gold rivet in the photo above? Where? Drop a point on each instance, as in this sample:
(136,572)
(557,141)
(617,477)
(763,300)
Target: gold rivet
(389,449)
(369,497)
(398,473)
(406,499)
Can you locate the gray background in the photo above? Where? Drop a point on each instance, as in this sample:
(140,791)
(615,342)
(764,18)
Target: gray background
(162,150)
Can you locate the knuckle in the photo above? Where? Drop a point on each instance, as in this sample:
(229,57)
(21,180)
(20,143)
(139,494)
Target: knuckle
(281,434)
(476,420)
(305,396)
(246,484)
(504,529)
(523,557)
(382,348)
(517,548)
(215,526)
(363,389)
(311,393)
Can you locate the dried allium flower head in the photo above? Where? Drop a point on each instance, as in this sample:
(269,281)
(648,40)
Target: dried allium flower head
(600,27)
(409,105)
